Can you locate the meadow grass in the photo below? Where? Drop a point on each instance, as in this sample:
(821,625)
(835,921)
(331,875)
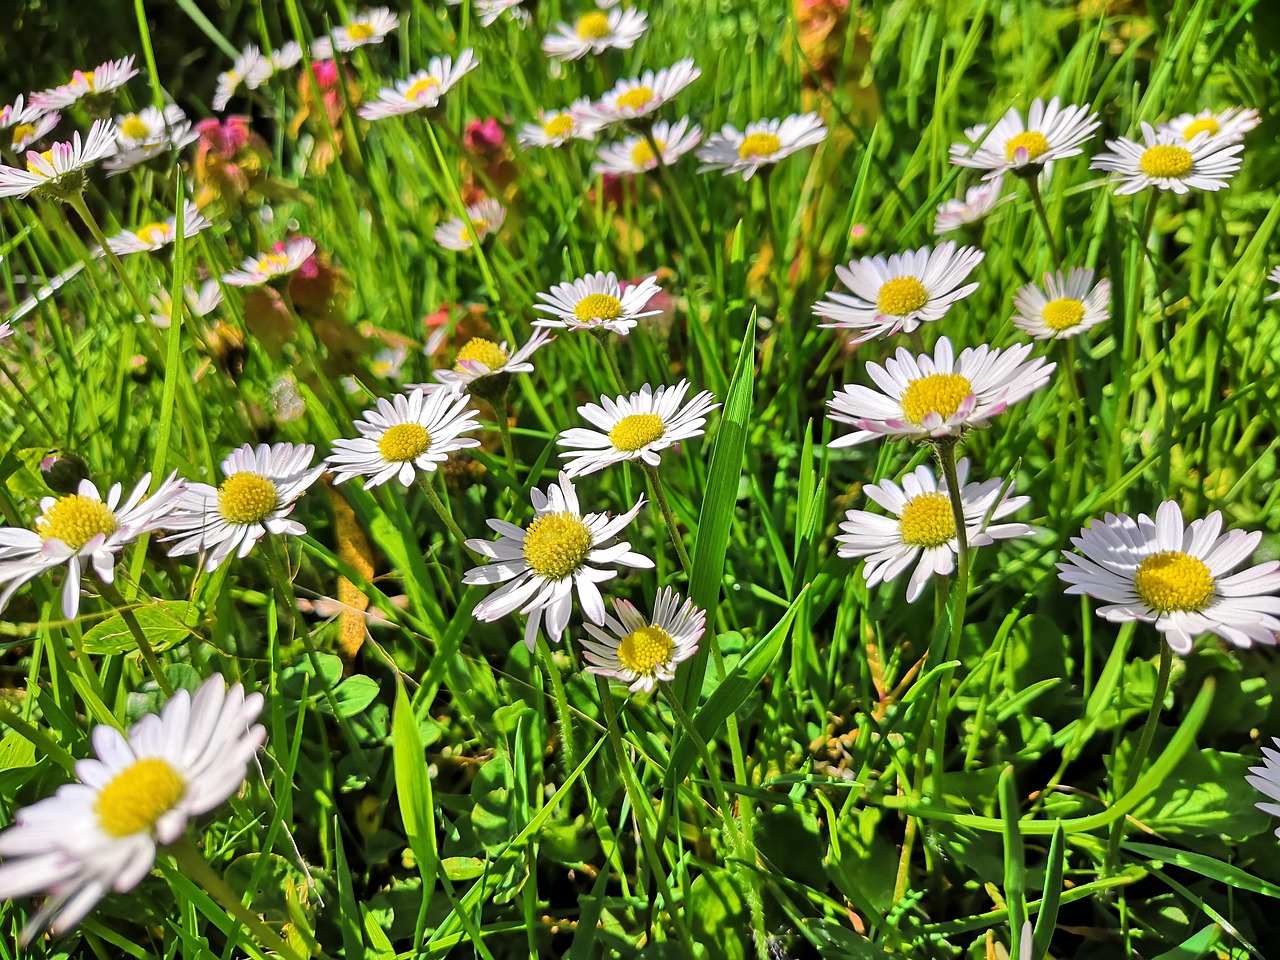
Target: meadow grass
(836,773)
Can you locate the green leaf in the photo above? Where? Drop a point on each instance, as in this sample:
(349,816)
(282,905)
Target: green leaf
(413,790)
(717,915)
(1233,877)
(352,696)
(1201,798)
(163,622)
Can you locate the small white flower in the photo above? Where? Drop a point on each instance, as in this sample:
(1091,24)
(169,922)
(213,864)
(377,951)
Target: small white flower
(159,233)
(423,90)
(102,79)
(490,10)
(1065,307)
(27,124)
(1229,126)
(287,57)
(977,203)
(635,154)
(1266,779)
(642,95)
(60,171)
(594,33)
(556,127)
(635,427)
(597,302)
(135,794)
(900,293)
(410,432)
(82,528)
(1051,132)
(1175,577)
(249,70)
(763,142)
(371,26)
(479,358)
(1167,162)
(923,526)
(486,218)
(200,303)
(643,652)
(1274,277)
(18,112)
(258,270)
(540,566)
(148,133)
(939,396)
(263,484)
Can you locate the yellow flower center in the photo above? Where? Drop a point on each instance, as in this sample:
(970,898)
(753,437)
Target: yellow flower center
(636,430)
(759,145)
(134,127)
(273,263)
(86,77)
(1165,160)
(480,225)
(246,498)
(635,98)
(556,545)
(479,350)
(404,442)
(901,295)
(560,125)
(137,797)
(155,232)
(927,521)
(592,26)
(1204,125)
(48,158)
(360,31)
(421,88)
(940,393)
(598,306)
(1063,313)
(1033,141)
(645,650)
(22,131)
(76,519)
(1174,581)
(642,154)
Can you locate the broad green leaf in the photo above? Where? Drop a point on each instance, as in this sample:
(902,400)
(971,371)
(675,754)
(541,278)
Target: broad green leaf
(413,789)
(163,623)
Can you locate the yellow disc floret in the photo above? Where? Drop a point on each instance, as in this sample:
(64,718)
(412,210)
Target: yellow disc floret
(360,30)
(154,232)
(404,442)
(1063,313)
(592,26)
(1174,581)
(420,89)
(556,545)
(561,125)
(22,131)
(1207,125)
(645,650)
(902,295)
(598,306)
(273,263)
(1033,141)
(635,98)
(134,127)
(940,393)
(138,796)
(246,498)
(76,519)
(1165,160)
(642,154)
(480,350)
(636,430)
(927,521)
(48,158)
(759,145)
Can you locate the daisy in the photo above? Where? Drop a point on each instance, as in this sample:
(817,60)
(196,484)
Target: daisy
(1167,162)
(200,303)
(901,293)
(977,203)
(1229,126)
(556,127)
(409,432)
(263,484)
(78,528)
(930,397)
(287,57)
(763,142)
(479,358)
(486,218)
(27,123)
(159,233)
(1067,305)
(147,134)
(6,330)
(640,651)
(594,33)
(135,794)
(641,96)
(1266,779)
(1051,132)
(285,259)
(490,10)
(636,155)
(422,90)
(1274,277)
(541,565)
(597,302)
(59,173)
(371,26)
(249,70)
(923,526)
(1175,577)
(102,80)
(636,427)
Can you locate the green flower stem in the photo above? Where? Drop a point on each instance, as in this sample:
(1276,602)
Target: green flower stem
(676,198)
(1037,201)
(441,510)
(76,201)
(504,428)
(122,607)
(668,515)
(561,698)
(611,358)
(723,801)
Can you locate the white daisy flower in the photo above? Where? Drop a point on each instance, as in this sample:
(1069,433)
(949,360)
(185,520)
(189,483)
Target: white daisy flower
(82,528)
(250,70)
(1068,305)
(12,114)
(101,80)
(1266,779)
(923,526)
(147,134)
(556,127)
(287,57)
(263,484)
(939,396)
(159,233)
(597,302)
(635,427)
(1175,577)
(371,26)
(410,432)
(594,33)
(1165,161)
(486,218)
(137,793)
(6,330)
(643,652)
(1051,132)
(642,95)
(540,566)
(977,203)
(200,303)
(901,293)
(1229,126)
(423,90)
(479,358)
(1274,277)
(635,155)
(60,171)
(763,142)
(26,124)
(264,267)
(490,10)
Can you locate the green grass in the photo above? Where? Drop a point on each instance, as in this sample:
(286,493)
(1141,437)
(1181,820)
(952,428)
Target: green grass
(793,793)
